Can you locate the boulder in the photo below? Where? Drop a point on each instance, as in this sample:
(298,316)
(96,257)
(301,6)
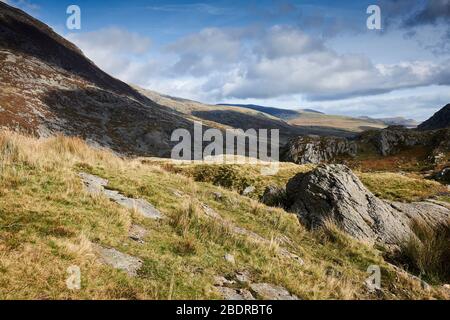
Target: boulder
(333,192)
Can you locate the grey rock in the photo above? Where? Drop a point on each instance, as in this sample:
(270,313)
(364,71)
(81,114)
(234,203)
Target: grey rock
(249,190)
(268,291)
(274,196)
(119,260)
(235,294)
(137,233)
(243,277)
(217,196)
(315,149)
(333,192)
(210,212)
(229,258)
(93,184)
(222,281)
(96,185)
(140,205)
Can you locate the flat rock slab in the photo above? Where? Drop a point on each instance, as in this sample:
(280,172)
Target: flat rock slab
(119,260)
(268,291)
(96,185)
(93,184)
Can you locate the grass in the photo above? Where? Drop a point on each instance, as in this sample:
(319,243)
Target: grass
(404,188)
(427,254)
(48,222)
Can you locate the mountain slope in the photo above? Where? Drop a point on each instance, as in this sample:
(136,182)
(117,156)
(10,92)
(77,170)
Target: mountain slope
(231,116)
(284,114)
(49,87)
(439,120)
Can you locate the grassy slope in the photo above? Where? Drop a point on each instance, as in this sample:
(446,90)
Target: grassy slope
(307,119)
(48,223)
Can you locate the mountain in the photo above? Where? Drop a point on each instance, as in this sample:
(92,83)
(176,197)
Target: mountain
(439,120)
(239,116)
(284,114)
(309,119)
(50,87)
(393,121)
(349,124)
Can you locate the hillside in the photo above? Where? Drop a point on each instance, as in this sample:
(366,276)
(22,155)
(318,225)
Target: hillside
(284,114)
(439,120)
(308,119)
(230,116)
(49,87)
(210,242)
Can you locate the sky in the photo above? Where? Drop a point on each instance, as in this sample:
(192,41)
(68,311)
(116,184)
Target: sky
(288,54)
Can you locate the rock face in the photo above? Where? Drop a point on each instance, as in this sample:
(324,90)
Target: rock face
(394,138)
(314,149)
(334,192)
(439,120)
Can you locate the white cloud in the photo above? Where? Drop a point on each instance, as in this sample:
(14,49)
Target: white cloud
(285,61)
(275,65)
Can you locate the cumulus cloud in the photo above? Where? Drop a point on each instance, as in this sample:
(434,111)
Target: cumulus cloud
(281,61)
(411,17)
(433,12)
(115,50)
(285,61)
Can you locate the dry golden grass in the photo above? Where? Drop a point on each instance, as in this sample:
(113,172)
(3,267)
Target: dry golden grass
(48,222)
(398,187)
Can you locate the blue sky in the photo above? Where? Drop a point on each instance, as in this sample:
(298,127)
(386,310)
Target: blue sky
(288,54)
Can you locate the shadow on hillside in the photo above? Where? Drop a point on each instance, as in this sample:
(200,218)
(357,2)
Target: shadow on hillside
(248,121)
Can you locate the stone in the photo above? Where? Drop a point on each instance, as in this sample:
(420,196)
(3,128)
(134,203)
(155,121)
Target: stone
(243,277)
(93,184)
(268,291)
(96,185)
(137,233)
(229,258)
(315,149)
(274,196)
(217,196)
(333,192)
(235,294)
(221,281)
(118,260)
(210,212)
(249,190)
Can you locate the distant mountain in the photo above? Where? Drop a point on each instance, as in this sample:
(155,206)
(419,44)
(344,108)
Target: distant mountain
(309,119)
(439,120)
(394,121)
(284,114)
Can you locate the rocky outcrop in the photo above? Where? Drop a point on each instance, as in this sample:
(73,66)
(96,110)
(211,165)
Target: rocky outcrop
(314,149)
(392,139)
(439,120)
(96,186)
(334,192)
